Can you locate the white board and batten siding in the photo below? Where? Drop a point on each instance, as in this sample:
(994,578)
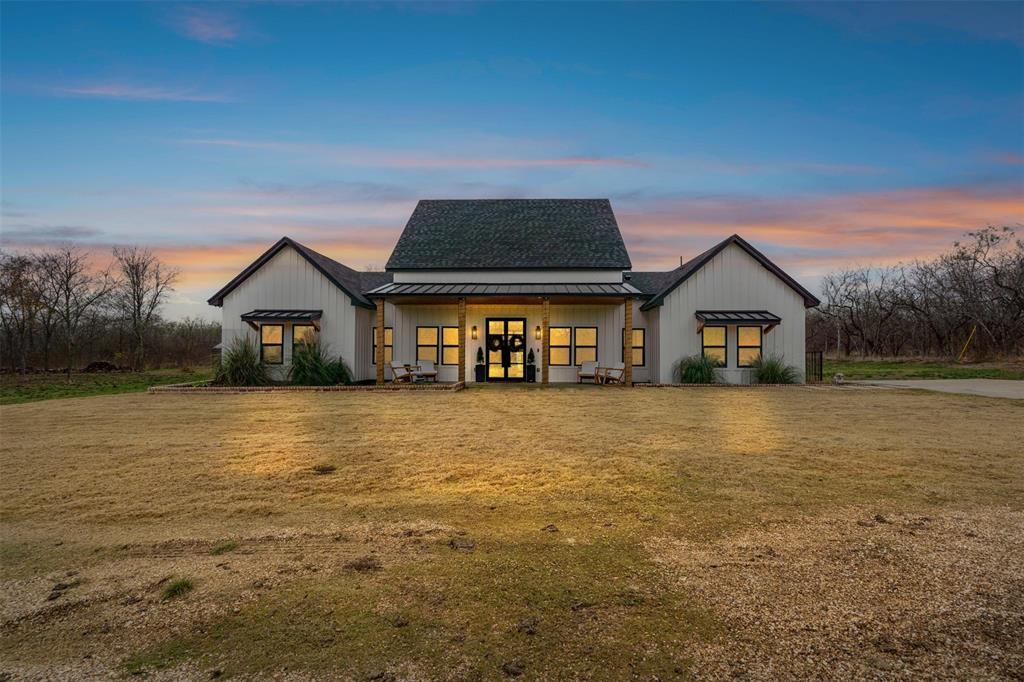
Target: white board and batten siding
(289,281)
(732,280)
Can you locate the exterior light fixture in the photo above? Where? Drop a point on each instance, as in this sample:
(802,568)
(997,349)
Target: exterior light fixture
(536,333)
(474,332)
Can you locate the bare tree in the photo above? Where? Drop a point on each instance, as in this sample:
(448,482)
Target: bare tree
(72,290)
(20,305)
(144,286)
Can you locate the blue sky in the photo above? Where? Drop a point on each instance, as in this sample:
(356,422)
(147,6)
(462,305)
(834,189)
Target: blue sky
(827,134)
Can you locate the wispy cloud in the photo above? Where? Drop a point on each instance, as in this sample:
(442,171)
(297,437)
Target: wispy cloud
(368,157)
(208,25)
(144,93)
(23,233)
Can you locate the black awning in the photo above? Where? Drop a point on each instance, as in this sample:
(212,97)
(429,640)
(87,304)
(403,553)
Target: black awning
(762,317)
(282,316)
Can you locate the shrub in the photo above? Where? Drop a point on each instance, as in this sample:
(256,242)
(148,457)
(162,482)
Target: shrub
(773,370)
(479,356)
(312,365)
(696,369)
(240,365)
(177,587)
(223,547)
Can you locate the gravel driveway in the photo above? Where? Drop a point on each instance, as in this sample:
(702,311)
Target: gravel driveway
(992,388)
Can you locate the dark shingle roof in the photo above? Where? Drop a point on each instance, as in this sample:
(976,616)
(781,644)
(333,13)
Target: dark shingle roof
(510,233)
(350,281)
(676,277)
(649,283)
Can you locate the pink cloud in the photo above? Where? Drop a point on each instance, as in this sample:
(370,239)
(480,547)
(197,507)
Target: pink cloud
(126,91)
(210,26)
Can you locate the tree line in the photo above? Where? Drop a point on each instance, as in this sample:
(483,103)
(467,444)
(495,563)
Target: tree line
(928,308)
(60,311)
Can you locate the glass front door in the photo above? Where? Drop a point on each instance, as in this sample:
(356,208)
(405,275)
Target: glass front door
(506,349)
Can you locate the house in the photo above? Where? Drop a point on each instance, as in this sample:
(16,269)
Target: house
(514,275)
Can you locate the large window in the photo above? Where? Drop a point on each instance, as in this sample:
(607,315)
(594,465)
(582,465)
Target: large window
(272,344)
(586,344)
(426,344)
(449,345)
(302,333)
(389,346)
(560,353)
(639,336)
(748,346)
(714,344)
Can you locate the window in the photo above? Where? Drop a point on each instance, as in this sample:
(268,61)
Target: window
(586,344)
(748,346)
(272,344)
(389,346)
(560,347)
(302,333)
(714,344)
(449,345)
(426,344)
(639,334)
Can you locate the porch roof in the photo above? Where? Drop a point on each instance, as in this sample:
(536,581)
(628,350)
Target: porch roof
(505,290)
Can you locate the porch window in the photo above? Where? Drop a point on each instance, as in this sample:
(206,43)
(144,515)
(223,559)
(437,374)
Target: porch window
(748,346)
(714,344)
(426,344)
(560,346)
(272,344)
(302,333)
(638,346)
(449,345)
(389,346)
(586,344)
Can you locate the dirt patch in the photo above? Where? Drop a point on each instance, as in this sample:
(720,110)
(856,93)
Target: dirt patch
(862,595)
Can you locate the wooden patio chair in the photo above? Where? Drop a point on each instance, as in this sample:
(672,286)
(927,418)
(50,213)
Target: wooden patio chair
(615,374)
(426,371)
(588,370)
(400,374)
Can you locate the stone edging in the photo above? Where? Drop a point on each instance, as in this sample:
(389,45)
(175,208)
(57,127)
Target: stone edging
(205,387)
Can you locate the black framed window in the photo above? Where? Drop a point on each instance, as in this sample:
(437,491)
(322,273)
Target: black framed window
(272,344)
(585,342)
(748,346)
(302,333)
(449,345)
(389,346)
(426,344)
(713,341)
(560,346)
(638,346)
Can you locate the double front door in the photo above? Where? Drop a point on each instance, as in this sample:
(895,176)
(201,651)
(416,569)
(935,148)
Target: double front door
(506,348)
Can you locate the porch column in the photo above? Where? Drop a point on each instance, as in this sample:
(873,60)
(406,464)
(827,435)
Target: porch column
(627,342)
(545,343)
(462,340)
(379,355)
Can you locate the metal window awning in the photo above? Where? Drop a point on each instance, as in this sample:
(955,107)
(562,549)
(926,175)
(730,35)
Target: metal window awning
(459,290)
(761,318)
(254,317)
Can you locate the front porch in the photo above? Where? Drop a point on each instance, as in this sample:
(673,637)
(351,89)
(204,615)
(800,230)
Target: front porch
(560,333)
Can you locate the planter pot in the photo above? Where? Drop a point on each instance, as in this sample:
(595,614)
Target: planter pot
(531,374)
(478,373)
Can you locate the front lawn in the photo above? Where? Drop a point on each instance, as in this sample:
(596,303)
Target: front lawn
(922,369)
(24,388)
(807,532)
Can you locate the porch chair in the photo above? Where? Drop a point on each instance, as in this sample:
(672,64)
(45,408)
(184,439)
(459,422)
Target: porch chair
(400,373)
(588,370)
(426,371)
(614,374)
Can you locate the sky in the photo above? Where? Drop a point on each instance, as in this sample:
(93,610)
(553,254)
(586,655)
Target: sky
(829,135)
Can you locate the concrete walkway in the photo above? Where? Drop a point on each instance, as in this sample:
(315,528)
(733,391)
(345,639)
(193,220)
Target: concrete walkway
(992,388)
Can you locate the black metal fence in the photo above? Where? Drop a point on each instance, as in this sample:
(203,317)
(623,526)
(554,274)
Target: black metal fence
(814,366)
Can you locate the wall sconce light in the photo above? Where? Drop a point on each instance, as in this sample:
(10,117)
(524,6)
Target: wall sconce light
(536,333)
(474,332)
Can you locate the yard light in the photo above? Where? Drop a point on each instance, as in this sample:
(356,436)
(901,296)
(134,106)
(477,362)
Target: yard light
(474,332)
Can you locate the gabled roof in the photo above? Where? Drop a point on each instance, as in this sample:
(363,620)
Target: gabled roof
(350,281)
(676,277)
(487,234)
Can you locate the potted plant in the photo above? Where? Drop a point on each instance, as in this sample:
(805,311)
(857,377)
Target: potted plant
(531,367)
(479,369)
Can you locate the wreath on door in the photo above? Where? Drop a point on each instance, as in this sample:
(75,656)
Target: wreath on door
(516,343)
(494,343)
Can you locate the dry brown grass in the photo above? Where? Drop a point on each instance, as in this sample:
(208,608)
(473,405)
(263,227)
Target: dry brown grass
(701,532)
